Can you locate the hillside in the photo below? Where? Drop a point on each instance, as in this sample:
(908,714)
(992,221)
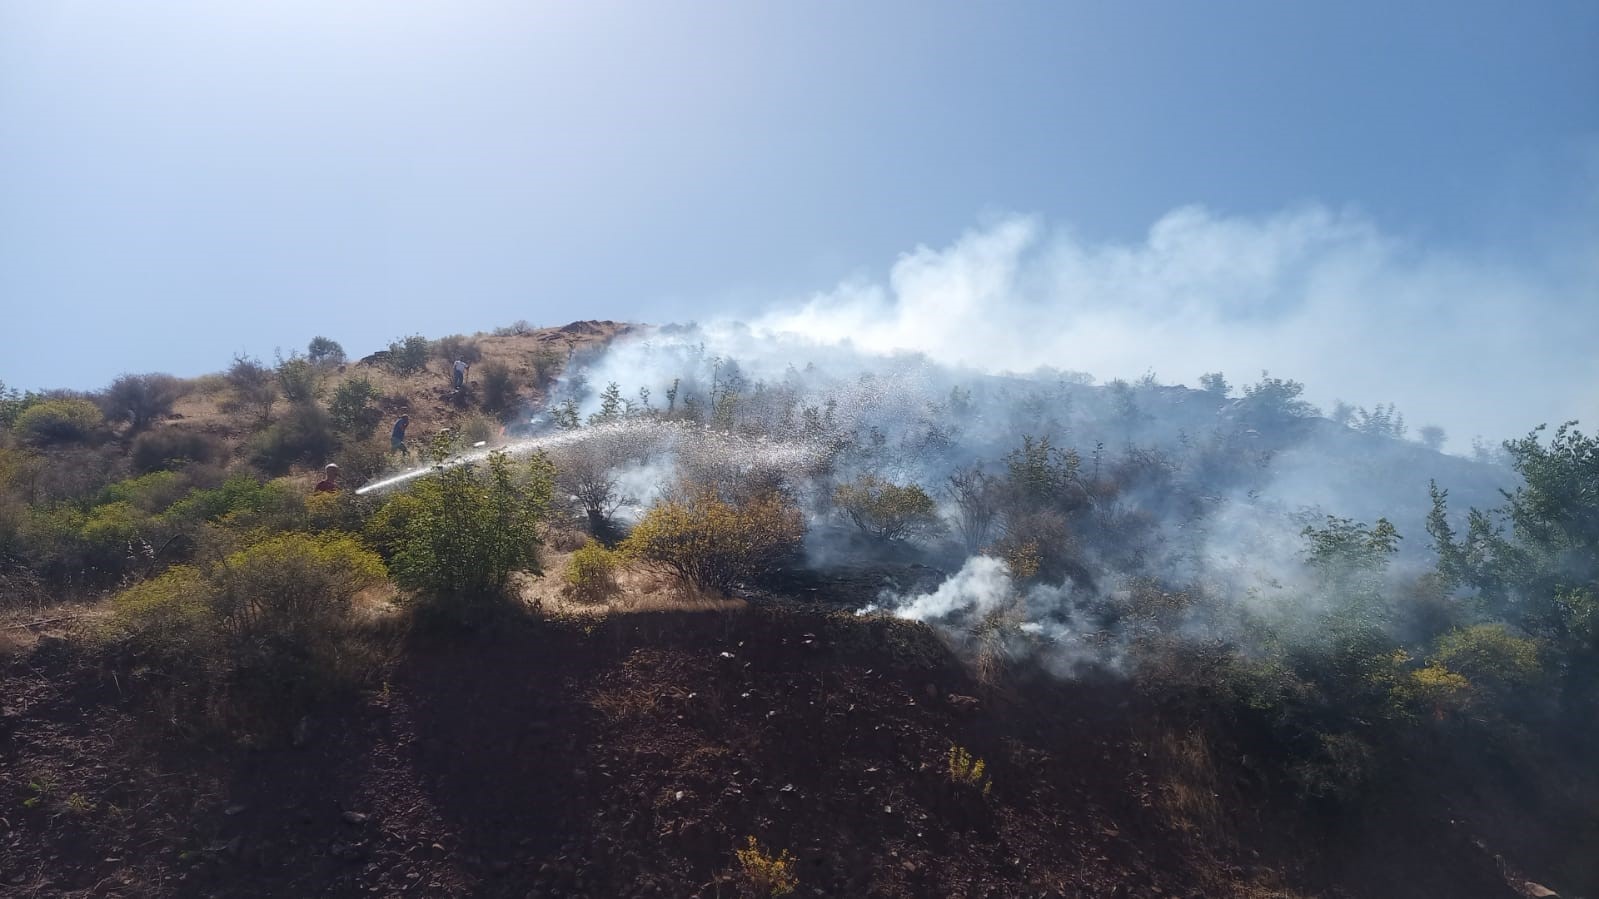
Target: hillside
(912,631)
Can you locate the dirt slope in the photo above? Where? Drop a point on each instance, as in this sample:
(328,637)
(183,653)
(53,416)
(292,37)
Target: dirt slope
(629,755)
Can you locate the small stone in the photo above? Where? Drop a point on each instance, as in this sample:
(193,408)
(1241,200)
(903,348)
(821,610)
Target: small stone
(235,809)
(355,817)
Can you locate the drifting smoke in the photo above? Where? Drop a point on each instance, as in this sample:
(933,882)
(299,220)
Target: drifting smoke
(1323,297)
(1166,491)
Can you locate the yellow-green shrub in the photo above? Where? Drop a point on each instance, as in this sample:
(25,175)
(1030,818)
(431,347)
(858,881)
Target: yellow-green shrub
(266,628)
(591,572)
(710,543)
(58,421)
(766,874)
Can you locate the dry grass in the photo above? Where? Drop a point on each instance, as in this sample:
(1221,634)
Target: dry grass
(1188,795)
(638,590)
(427,392)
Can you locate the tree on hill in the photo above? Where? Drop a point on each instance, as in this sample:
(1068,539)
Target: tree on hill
(323,351)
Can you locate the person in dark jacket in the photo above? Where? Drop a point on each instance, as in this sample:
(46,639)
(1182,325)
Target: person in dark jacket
(397,436)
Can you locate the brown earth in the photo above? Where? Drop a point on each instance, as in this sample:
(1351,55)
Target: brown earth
(630,754)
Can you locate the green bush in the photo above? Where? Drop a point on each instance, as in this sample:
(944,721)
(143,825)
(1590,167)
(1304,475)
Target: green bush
(591,572)
(1491,657)
(59,421)
(303,436)
(353,410)
(408,354)
(709,543)
(168,621)
(471,527)
(266,629)
(149,493)
(298,379)
(171,447)
(323,351)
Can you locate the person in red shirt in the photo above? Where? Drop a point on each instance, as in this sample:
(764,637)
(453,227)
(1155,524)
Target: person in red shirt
(330,480)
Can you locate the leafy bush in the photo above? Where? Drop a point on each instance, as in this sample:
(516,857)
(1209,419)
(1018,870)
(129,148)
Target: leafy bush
(353,408)
(709,543)
(58,421)
(266,628)
(457,346)
(141,400)
(470,527)
(149,493)
(499,389)
(298,379)
(1491,657)
(323,351)
(885,511)
(304,436)
(408,354)
(591,572)
(168,621)
(172,447)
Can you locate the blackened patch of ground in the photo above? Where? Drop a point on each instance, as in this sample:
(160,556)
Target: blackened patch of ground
(631,754)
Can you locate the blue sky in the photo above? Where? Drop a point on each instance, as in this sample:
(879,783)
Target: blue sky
(183,181)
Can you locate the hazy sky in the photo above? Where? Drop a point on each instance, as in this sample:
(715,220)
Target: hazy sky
(183,181)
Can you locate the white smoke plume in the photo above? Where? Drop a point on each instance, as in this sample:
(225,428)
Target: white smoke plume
(1324,297)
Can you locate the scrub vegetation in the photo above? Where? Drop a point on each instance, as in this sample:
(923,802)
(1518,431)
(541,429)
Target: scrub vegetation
(898,621)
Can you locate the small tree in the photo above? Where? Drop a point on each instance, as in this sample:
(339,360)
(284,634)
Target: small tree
(140,400)
(611,405)
(469,528)
(323,351)
(352,409)
(885,512)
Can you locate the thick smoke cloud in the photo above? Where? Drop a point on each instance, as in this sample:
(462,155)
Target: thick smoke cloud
(1325,297)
